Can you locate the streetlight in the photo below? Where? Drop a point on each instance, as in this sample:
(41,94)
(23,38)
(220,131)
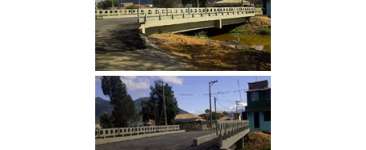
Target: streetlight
(209,93)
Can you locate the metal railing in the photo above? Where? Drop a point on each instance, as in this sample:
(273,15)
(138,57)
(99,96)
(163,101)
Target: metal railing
(131,131)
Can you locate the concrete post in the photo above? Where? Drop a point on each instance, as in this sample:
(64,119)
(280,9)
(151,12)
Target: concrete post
(143,29)
(219,23)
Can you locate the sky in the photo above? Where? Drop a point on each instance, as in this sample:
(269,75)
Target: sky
(191,92)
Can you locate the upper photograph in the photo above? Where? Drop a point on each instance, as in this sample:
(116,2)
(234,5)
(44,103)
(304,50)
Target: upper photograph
(183,35)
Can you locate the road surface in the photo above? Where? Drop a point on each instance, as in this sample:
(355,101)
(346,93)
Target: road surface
(119,46)
(178,141)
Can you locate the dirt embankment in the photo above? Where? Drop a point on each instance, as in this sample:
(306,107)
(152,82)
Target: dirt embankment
(211,54)
(258,141)
(255,25)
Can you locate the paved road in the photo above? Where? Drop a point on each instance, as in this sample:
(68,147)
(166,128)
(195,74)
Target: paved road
(178,141)
(119,47)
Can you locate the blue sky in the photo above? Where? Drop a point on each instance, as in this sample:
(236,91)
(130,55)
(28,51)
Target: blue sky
(192,91)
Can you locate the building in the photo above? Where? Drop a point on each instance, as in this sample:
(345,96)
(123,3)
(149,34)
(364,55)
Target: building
(258,108)
(187,117)
(264,4)
(127,4)
(229,3)
(267,7)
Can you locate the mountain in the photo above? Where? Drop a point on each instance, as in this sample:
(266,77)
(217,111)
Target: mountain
(141,1)
(181,111)
(133,1)
(102,106)
(138,103)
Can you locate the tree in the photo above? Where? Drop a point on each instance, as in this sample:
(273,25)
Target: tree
(153,109)
(105,121)
(107,4)
(123,106)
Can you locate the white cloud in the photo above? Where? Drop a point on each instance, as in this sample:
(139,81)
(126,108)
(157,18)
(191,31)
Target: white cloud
(134,83)
(242,104)
(172,80)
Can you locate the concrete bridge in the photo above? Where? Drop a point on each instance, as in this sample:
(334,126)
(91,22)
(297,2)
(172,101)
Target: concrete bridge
(225,135)
(158,20)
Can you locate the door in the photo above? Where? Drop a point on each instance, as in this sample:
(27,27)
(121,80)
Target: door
(256,119)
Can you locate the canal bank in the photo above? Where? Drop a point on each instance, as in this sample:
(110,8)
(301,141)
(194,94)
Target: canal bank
(120,46)
(240,47)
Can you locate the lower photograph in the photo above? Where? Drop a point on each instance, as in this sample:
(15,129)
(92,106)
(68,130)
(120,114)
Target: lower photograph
(182,112)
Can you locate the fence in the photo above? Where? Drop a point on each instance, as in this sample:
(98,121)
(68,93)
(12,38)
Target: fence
(119,132)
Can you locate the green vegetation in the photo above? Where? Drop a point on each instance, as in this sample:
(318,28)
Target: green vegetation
(105,121)
(107,4)
(153,108)
(123,107)
(178,3)
(132,7)
(264,31)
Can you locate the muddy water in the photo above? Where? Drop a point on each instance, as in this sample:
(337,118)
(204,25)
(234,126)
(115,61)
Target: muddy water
(252,40)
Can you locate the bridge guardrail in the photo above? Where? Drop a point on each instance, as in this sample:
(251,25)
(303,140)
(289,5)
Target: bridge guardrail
(130,131)
(230,127)
(166,11)
(238,11)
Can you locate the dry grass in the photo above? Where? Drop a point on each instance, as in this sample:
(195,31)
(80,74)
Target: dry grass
(211,54)
(258,141)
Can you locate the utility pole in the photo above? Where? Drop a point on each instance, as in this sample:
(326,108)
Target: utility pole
(215,107)
(164,107)
(209,95)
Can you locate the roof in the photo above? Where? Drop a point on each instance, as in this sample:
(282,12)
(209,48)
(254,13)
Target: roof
(258,84)
(187,117)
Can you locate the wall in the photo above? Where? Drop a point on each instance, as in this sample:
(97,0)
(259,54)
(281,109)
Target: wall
(263,125)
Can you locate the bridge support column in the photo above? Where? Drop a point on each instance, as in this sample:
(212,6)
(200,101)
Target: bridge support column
(219,24)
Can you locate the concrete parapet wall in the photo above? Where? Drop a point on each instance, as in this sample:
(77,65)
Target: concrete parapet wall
(228,142)
(131,131)
(228,128)
(187,22)
(121,13)
(203,139)
(119,139)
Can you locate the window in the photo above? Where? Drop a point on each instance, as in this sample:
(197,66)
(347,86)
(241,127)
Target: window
(255,96)
(267,116)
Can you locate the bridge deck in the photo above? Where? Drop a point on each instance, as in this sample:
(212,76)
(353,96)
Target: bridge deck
(179,141)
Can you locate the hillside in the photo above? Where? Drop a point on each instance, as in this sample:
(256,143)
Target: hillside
(102,106)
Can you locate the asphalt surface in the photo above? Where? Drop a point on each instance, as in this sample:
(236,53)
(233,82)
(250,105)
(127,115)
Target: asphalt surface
(178,141)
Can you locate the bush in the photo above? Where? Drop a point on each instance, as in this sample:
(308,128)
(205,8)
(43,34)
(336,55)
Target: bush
(264,31)
(132,7)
